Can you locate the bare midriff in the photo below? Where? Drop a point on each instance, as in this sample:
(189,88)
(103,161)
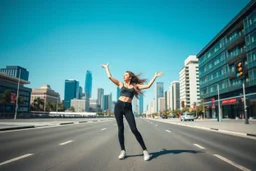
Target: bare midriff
(125,99)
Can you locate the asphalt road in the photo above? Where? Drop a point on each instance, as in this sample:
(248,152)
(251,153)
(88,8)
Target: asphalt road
(95,147)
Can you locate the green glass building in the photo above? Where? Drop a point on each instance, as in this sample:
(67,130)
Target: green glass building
(217,71)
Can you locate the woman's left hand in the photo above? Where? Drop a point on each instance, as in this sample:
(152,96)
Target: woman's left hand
(159,74)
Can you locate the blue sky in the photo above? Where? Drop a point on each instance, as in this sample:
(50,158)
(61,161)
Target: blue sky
(58,40)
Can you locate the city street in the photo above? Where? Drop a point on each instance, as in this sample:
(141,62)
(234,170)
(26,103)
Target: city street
(94,147)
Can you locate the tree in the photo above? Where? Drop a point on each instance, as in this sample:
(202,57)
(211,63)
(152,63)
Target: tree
(72,109)
(61,107)
(5,97)
(38,104)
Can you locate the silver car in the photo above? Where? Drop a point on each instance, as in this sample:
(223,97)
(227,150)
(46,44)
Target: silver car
(187,117)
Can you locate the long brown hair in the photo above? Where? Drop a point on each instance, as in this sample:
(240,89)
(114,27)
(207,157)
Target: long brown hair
(135,79)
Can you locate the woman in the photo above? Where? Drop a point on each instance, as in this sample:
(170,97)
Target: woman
(132,86)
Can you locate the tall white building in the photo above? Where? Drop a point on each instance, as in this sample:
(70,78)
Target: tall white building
(189,82)
(161,104)
(159,92)
(175,95)
(168,100)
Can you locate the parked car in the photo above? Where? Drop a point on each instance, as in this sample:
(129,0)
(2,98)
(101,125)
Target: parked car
(186,116)
(164,117)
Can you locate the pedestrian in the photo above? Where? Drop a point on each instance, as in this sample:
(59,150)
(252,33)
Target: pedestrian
(131,87)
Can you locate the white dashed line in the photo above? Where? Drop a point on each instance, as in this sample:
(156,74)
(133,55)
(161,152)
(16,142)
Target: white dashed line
(64,143)
(168,131)
(231,162)
(199,146)
(103,129)
(156,125)
(15,159)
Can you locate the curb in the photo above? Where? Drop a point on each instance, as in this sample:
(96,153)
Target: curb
(14,128)
(66,123)
(249,135)
(82,121)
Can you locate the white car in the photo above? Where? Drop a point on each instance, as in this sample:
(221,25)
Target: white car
(187,117)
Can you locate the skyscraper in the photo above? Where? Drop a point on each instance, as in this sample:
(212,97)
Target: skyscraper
(107,102)
(80,92)
(159,92)
(141,104)
(99,96)
(175,95)
(117,93)
(71,91)
(88,84)
(189,82)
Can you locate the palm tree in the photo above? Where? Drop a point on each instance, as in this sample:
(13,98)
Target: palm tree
(38,102)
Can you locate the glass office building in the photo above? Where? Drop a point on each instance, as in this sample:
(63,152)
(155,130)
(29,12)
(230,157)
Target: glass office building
(235,42)
(71,91)
(16,71)
(88,84)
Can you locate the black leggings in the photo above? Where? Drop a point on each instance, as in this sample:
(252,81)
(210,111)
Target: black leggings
(125,108)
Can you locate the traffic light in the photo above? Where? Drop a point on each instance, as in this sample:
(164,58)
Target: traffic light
(239,69)
(182,104)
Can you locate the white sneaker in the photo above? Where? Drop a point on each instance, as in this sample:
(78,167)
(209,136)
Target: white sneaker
(122,155)
(146,155)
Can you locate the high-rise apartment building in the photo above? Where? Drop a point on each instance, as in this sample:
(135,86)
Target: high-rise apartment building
(189,82)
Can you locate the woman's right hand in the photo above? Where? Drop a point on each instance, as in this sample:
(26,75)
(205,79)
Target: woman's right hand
(105,66)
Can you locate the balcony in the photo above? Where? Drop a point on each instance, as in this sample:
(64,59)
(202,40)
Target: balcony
(236,55)
(236,40)
(251,28)
(215,67)
(201,64)
(251,46)
(251,64)
(215,80)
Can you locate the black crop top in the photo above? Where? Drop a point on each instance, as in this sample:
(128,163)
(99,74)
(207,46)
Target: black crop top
(127,92)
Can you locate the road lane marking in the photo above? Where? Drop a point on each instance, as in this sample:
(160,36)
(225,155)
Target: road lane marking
(115,124)
(103,129)
(64,143)
(168,131)
(199,146)
(231,162)
(156,125)
(15,159)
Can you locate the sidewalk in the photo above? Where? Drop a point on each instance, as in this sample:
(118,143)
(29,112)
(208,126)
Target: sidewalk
(228,126)
(10,124)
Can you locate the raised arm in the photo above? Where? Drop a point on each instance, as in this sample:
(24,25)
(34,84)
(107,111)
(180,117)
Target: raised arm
(115,81)
(151,82)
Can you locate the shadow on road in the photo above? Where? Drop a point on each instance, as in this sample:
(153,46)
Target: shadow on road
(154,155)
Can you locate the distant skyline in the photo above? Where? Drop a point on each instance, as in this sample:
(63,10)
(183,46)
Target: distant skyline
(61,40)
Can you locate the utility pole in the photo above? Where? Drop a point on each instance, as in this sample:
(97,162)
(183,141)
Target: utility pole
(245,108)
(17,97)
(220,114)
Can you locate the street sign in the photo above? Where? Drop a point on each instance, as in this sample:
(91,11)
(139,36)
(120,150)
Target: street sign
(13,97)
